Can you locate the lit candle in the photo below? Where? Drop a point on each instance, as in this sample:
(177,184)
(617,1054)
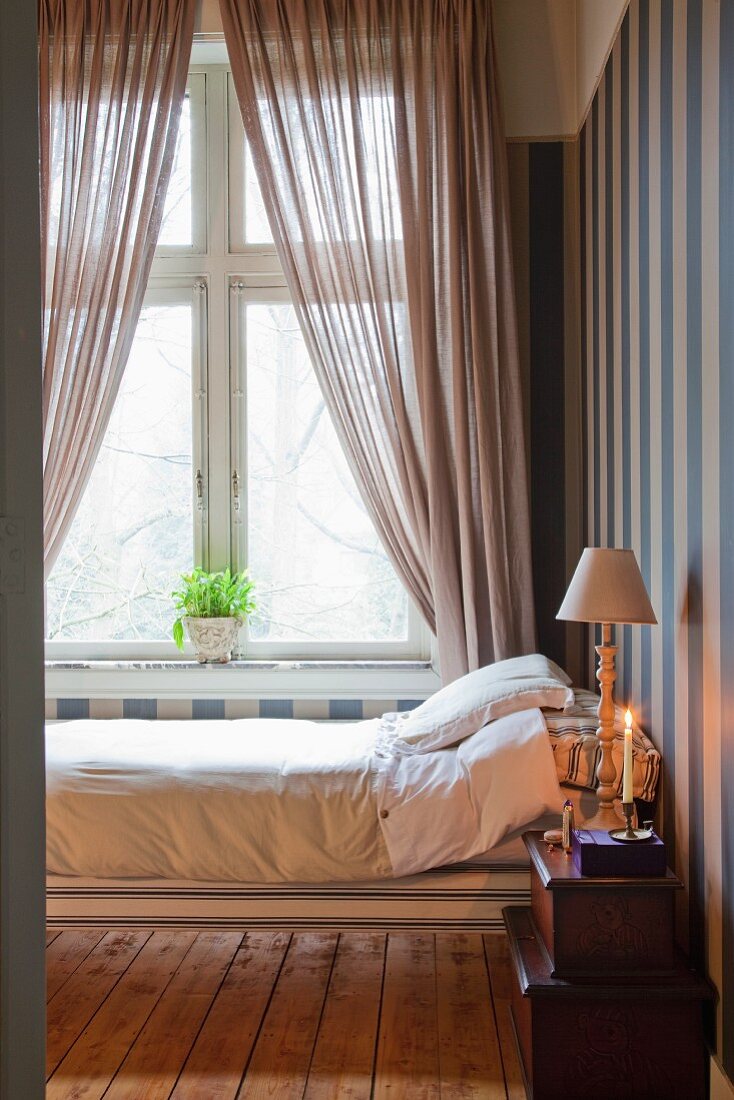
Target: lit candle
(627,786)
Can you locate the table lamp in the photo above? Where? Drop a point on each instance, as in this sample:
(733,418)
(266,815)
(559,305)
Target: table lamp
(606,588)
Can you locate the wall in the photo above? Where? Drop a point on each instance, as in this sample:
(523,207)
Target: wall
(596,27)
(535,50)
(657,240)
(550,55)
(544,207)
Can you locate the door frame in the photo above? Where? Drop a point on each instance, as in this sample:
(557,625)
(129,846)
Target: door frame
(22,782)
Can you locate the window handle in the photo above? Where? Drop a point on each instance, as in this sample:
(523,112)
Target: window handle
(236,490)
(199,482)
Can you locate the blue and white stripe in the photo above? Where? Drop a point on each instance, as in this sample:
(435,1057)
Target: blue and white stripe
(657,210)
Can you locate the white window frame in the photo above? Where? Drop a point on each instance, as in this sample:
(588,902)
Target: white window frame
(220,270)
(263,253)
(196,95)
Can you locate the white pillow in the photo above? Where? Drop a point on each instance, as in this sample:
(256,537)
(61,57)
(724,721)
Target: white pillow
(464,706)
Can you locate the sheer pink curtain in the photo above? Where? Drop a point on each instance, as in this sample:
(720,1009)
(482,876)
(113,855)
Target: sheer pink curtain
(375,132)
(112,80)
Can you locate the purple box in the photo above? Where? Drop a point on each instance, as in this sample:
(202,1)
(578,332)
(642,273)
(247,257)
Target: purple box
(596,854)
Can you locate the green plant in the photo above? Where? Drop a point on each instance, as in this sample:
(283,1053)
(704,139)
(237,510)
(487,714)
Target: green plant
(205,595)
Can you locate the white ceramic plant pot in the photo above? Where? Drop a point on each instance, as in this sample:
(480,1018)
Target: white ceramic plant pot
(213,639)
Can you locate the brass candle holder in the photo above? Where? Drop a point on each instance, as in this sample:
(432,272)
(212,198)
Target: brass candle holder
(630,832)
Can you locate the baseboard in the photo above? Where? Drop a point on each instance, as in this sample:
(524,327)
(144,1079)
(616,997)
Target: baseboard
(721,1086)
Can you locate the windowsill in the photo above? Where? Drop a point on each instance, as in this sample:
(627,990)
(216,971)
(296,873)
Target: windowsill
(333,679)
(255,665)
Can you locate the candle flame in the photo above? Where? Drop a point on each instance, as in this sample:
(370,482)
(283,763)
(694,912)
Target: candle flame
(628,719)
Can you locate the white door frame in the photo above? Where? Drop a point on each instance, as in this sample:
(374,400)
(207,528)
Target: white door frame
(22,811)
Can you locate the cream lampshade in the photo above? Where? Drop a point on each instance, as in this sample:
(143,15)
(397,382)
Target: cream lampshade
(606,588)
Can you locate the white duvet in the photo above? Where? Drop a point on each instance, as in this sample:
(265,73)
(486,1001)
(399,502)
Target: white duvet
(271,800)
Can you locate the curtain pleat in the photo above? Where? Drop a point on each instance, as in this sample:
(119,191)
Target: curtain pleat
(376,136)
(112,77)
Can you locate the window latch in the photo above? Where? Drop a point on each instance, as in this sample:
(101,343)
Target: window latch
(199,481)
(12,556)
(236,490)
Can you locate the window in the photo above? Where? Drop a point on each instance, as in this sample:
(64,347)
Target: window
(184,217)
(248,219)
(134,530)
(220,448)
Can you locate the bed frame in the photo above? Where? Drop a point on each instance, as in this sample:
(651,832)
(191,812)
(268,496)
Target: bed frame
(469,896)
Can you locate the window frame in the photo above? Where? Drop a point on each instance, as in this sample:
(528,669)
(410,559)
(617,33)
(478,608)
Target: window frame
(227,270)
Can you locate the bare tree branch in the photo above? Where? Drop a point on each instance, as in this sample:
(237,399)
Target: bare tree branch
(309,432)
(341,540)
(175,459)
(146,521)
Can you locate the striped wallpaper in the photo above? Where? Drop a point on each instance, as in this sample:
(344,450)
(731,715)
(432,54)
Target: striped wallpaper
(543,179)
(315,709)
(656,176)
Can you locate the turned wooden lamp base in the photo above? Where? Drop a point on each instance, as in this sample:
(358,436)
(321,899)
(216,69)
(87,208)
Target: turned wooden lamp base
(607,816)
(606,819)
(607,587)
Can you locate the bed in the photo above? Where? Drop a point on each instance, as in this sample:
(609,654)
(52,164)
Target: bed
(382,823)
(469,896)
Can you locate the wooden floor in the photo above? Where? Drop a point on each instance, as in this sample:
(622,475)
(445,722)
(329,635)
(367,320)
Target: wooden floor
(272,1014)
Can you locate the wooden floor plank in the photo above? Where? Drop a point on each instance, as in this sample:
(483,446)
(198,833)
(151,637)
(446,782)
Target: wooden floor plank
(155,1060)
(217,1062)
(51,935)
(280,1061)
(71,1009)
(92,1062)
(468,1045)
(407,1051)
(343,1059)
(497,950)
(65,953)
(211,1016)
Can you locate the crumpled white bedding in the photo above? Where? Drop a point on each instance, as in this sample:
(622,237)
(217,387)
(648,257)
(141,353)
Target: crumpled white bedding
(454,804)
(271,800)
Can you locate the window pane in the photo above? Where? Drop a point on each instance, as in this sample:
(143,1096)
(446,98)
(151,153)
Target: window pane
(177,229)
(257,228)
(133,533)
(381,214)
(320,570)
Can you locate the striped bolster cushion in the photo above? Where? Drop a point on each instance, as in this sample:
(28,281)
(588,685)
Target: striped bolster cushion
(576,750)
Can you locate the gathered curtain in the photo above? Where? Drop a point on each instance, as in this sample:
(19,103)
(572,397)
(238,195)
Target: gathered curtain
(112,77)
(376,137)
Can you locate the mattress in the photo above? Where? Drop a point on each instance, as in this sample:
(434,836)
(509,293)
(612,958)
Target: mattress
(269,800)
(468,895)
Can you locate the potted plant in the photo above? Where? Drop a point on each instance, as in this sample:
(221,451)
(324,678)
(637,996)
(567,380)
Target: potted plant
(213,606)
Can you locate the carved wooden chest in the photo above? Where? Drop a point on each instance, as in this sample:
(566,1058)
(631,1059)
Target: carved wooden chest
(600,926)
(604,1005)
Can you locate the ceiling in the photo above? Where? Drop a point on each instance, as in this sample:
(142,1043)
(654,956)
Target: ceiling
(550,54)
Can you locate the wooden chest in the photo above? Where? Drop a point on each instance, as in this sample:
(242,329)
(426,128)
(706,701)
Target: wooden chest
(600,927)
(605,1039)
